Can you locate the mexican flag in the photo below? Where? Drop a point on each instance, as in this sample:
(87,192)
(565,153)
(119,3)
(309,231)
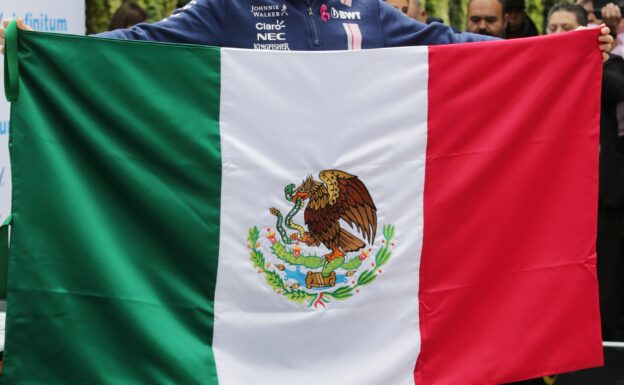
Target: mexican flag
(195,215)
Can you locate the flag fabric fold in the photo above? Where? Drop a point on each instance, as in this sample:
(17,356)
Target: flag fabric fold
(195,215)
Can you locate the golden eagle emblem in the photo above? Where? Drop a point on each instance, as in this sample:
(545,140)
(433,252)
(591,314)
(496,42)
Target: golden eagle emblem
(303,276)
(341,196)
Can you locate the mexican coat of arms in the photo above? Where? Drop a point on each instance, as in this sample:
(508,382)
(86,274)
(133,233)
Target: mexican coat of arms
(298,272)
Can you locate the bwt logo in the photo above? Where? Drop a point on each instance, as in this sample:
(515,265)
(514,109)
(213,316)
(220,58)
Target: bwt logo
(344,15)
(42,23)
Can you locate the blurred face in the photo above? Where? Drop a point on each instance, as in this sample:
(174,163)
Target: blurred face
(401,5)
(485,17)
(515,17)
(592,21)
(416,12)
(561,21)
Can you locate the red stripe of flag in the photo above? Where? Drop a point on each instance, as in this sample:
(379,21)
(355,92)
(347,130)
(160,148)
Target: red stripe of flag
(508,286)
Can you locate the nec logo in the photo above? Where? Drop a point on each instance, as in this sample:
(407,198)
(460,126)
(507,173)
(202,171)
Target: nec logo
(271,36)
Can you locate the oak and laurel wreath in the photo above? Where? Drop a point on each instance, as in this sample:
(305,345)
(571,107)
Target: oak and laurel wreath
(278,284)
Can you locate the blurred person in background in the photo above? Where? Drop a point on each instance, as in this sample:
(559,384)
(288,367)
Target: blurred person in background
(519,24)
(611,200)
(565,17)
(401,5)
(486,17)
(611,15)
(127,15)
(562,18)
(417,11)
(618,44)
(592,20)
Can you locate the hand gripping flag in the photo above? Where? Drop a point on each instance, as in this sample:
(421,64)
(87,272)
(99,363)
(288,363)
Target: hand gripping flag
(194,215)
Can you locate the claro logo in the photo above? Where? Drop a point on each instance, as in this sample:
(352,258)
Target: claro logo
(277,26)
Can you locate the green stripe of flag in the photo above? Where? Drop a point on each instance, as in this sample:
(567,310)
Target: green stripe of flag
(98,292)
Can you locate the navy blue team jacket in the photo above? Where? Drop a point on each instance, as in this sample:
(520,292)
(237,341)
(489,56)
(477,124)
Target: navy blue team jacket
(302,25)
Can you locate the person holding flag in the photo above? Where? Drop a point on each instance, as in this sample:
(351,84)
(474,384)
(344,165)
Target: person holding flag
(170,148)
(298,25)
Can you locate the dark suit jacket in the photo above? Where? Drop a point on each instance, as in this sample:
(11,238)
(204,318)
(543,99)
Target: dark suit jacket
(611,153)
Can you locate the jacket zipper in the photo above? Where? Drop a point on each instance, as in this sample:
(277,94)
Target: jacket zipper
(316,33)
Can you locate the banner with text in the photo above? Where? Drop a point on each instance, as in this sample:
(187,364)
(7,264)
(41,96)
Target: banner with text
(66,16)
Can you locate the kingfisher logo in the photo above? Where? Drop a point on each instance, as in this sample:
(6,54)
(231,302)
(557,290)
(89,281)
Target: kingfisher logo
(333,13)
